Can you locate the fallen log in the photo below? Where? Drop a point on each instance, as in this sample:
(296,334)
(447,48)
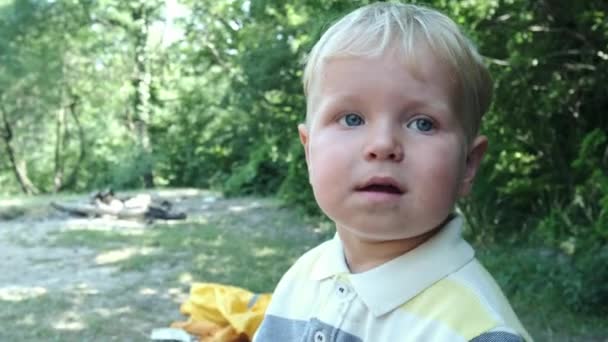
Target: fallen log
(84,209)
(138,207)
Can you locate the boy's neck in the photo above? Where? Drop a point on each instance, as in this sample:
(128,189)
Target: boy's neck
(362,254)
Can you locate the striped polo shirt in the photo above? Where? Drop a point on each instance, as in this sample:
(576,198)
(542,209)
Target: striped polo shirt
(435,292)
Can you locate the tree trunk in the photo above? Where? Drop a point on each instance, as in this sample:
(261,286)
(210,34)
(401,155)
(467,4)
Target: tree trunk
(60,144)
(73,176)
(141,83)
(19,167)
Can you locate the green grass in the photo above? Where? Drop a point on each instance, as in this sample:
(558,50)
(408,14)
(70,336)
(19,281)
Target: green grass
(18,206)
(56,317)
(31,319)
(215,252)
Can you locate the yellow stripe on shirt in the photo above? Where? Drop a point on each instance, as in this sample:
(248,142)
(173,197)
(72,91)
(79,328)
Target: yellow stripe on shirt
(445,302)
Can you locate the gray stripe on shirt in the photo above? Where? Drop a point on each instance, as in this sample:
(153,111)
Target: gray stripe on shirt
(274,329)
(497,336)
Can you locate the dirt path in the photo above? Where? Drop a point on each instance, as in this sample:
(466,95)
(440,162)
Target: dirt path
(71,293)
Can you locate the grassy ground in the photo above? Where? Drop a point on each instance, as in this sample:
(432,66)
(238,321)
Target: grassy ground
(224,251)
(245,242)
(100,280)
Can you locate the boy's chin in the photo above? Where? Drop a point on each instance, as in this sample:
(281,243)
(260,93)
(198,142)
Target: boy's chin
(387,234)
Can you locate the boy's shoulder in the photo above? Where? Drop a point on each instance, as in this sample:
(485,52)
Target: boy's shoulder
(308,265)
(470,302)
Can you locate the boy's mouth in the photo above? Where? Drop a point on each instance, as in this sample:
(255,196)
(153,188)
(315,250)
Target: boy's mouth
(381,184)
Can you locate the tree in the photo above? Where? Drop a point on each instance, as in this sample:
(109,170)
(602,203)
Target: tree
(23,81)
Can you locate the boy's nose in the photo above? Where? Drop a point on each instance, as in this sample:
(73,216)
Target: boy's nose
(384,145)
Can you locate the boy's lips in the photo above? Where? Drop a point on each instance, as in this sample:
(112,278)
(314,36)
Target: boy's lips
(386,185)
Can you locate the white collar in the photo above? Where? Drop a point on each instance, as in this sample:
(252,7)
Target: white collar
(395,282)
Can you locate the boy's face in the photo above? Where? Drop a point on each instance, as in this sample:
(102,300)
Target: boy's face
(387,156)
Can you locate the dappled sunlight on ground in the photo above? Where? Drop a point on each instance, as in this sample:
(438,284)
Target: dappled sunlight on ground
(122,254)
(170,193)
(69,320)
(132,227)
(6,202)
(110,312)
(218,241)
(265,251)
(178,295)
(21,293)
(185,278)
(27,320)
(25,200)
(83,289)
(75,278)
(244,207)
(146,291)
(325,229)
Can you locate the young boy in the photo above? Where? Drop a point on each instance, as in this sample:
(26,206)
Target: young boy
(395,95)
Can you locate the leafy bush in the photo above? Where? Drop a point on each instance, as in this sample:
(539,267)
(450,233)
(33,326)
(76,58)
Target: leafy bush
(588,287)
(296,189)
(262,173)
(533,274)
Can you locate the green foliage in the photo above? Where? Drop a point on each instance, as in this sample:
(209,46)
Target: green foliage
(546,59)
(260,174)
(591,296)
(296,188)
(549,288)
(127,172)
(584,216)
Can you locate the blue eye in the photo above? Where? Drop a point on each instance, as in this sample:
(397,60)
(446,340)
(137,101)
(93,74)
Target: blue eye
(352,120)
(421,124)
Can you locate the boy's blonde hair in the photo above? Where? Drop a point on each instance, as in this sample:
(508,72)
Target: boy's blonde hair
(371,30)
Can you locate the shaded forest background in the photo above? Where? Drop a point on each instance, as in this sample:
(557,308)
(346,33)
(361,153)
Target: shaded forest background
(133,94)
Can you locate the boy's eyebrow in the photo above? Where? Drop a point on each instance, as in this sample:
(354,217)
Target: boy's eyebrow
(331,101)
(349,98)
(342,97)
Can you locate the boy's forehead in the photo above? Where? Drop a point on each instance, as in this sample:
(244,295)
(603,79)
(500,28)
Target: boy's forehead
(387,78)
(422,65)
(420,60)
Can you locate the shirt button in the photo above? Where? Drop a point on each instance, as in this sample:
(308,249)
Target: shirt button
(342,290)
(319,337)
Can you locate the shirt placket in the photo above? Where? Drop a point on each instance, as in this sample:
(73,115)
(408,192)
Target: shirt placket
(340,303)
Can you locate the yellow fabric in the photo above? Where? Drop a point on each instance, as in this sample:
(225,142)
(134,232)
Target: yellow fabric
(221,313)
(210,332)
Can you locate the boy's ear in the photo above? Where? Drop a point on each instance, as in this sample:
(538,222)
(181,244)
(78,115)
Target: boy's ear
(303,131)
(475,155)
